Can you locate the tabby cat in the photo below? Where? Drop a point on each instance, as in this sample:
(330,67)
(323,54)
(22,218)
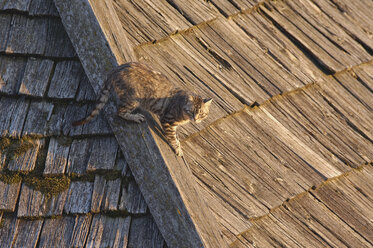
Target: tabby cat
(134,85)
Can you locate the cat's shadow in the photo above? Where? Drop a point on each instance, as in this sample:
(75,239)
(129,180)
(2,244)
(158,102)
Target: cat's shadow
(153,123)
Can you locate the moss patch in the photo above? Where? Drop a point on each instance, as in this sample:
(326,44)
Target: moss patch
(10,178)
(14,148)
(49,186)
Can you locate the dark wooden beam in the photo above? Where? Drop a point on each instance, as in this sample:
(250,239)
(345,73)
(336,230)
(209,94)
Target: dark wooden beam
(164,179)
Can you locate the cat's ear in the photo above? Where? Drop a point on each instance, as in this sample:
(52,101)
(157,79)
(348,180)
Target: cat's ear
(207,101)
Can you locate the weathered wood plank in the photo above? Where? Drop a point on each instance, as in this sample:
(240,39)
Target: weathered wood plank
(328,43)
(195,12)
(21,5)
(105,195)
(97,126)
(27,36)
(57,156)
(5,20)
(11,123)
(58,43)
(225,7)
(36,77)
(121,164)
(132,199)
(27,234)
(66,78)
(102,154)
(33,203)
(228,8)
(183,219)
(109,232)
(7,230)
(351,105)
(148,21)
(67,231)
(26,162)
(9,195)
(39,36)
(38,115)
(348,203)
(306,221)
(350,17)
(85,91)
(78,157)
(42,7)
(11,72)
(79,198)
(144,233)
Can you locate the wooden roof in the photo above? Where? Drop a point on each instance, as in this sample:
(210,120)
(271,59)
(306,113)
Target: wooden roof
(283,160)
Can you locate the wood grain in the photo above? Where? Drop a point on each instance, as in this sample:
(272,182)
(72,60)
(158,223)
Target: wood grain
(33,203)
(79,197)
(9,195)
(67,231)
(36,77)
(109,232)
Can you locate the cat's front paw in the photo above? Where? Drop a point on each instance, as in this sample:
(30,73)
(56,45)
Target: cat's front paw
(178,151)
(138,118)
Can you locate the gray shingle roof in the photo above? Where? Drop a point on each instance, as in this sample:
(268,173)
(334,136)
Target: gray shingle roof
(59,185)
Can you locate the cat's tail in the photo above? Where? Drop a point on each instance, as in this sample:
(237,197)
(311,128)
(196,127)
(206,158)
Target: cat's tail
(103,100)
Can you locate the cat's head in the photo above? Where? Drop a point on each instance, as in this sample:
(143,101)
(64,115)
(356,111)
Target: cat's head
(197,108)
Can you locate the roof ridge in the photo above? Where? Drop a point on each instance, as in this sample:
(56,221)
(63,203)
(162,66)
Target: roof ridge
(180,212)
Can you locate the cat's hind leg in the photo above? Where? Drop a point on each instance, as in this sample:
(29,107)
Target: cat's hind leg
(125,112)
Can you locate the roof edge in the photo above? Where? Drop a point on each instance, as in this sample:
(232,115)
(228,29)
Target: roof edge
(165,180)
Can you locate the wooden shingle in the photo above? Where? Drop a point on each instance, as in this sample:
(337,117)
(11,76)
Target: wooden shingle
(57,156)
(102,154)
(11,73)
(27,36)
(78,157)
(105,195)
(5,20)
(33,203)
(150,20)
(144,233)
(132,199)
(79,198)
(38,36)
(195,12)
(66,79)
(8,196)
(7,230)
(68,231)
(325,40)
(314,219)
(13,119)
(26,161)
(38,115)
(42,7)
(27,234)
(36,77)
(20,5)
(109,232)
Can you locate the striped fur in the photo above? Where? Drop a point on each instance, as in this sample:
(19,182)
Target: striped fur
(134,85)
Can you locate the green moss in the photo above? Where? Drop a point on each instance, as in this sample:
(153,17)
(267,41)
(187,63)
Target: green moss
(49,186)
(14,148)
(10,178)
(4,143)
